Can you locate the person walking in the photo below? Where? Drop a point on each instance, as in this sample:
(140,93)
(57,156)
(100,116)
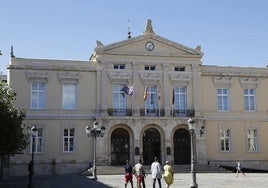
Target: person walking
(156,172)
(238,168)
(128,174)
(140,174)
(168,174)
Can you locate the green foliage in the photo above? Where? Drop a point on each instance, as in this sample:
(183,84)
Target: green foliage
(12,138)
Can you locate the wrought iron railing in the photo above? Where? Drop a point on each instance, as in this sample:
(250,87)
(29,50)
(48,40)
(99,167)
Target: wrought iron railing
(182,113)
(152,112)
(119,112)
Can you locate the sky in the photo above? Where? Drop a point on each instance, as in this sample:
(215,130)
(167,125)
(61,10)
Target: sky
(230,32)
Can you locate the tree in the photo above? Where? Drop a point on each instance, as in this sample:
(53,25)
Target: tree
(12,138)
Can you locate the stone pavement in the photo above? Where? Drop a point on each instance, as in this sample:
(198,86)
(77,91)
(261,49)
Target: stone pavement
(204,180)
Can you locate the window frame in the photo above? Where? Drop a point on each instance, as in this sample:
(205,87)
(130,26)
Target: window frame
(227,147)
(119,66)
(68,137)
(67,105)
(119,109)
(178,96)
(223,96)
(39,96)
(39,141)
(253,138)
(150,67)
(249,98)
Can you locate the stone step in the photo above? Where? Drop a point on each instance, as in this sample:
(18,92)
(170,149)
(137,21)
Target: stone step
(113,170)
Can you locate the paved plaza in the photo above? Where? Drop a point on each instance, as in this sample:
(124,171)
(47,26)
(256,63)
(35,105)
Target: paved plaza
(204,180)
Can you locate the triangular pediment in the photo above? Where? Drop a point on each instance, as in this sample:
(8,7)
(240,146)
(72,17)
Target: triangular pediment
(137,46)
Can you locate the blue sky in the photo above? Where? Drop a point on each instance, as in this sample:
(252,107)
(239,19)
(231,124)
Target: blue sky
(231,32)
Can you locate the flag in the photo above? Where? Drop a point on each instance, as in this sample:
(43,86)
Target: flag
(159,92)
(128,89)
(173,96)
(145,93)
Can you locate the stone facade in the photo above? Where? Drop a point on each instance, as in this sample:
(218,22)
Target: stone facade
(138,128)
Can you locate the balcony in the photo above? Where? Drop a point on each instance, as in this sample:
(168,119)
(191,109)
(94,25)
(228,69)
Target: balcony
(182,113)
(119,112)
(152,112)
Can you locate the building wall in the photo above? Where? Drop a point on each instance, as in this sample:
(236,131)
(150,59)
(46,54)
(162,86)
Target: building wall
(95,78)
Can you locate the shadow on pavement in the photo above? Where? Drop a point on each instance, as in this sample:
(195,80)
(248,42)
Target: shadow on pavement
(53,181)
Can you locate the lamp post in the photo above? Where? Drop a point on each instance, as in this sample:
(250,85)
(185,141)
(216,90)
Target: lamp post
(95,132)
(31,164)
(191,125)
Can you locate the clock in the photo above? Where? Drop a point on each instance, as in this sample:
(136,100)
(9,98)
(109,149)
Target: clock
(149,46)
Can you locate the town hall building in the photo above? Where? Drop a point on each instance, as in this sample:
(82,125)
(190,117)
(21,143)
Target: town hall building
(142,90)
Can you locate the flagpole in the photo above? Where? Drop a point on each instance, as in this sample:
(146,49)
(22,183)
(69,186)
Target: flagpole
(158,98)
(132,102)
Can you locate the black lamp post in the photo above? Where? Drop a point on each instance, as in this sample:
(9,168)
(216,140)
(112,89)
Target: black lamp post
(31,164)
(95,132)
(191,125)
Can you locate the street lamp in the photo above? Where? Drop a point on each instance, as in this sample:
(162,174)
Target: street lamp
(33,132)
(95,132)
(191,125)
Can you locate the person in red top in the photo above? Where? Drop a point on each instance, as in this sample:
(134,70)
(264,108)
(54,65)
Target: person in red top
(128,174)
(140,174)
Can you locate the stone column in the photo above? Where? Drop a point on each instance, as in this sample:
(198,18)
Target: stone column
(195,90)
(136,108)
(104,91)
(166,92)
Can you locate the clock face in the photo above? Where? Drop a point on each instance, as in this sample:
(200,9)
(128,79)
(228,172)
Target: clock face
(149,46)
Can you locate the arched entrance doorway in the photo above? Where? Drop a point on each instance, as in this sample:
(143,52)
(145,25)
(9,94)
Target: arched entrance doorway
(151,145)
(182,147)
(119,146)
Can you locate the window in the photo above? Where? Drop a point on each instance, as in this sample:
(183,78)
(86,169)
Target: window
(180,100)
(225,139)
(223,99)
(69,96)
(68,139)
(252,140)
(149,67)
(151,100)
(37,141)
(180,69)
(249,99)
(119,66)
(119,100)
(37,95)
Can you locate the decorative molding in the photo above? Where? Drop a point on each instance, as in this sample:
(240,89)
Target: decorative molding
(249,82)
(180,77)
(119,76)
(222,81)
(150,77)
(69,77)
(37,76)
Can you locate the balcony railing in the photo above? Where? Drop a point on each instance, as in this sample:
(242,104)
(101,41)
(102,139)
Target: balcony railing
(182,113)
(119,112)
(152,112)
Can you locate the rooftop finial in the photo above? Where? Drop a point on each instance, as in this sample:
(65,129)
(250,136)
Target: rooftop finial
(128,33)
(149,27)
(12,53)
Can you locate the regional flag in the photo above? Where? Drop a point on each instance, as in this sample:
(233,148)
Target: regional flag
(128,89)
(145,93)
(159,92)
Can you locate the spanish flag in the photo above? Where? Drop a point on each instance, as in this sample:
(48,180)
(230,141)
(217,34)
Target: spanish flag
(145,93)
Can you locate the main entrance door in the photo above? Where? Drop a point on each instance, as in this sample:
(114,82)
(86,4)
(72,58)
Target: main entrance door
(151,145)
(182,147)
(119,146)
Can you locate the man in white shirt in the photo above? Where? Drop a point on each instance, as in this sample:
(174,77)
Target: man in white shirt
(156,172)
